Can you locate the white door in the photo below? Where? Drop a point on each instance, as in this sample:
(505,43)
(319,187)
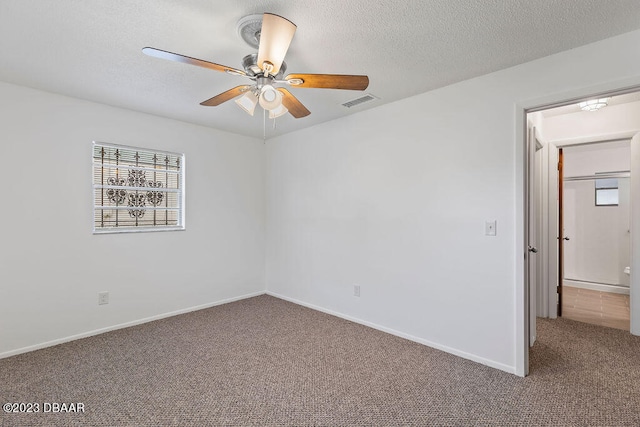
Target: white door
(531,226)
(552,248)
(634,289)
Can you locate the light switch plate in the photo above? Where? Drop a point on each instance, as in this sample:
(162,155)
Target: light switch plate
(490,228)
(103,298)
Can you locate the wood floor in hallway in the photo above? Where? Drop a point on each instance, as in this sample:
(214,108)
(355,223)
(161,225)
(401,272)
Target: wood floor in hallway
(595,307)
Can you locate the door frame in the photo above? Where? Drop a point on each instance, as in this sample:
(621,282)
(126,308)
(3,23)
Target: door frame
(560,232)
(521,157)
(555,209)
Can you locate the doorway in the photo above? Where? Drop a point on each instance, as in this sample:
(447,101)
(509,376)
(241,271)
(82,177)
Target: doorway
(595,236)
(553,130)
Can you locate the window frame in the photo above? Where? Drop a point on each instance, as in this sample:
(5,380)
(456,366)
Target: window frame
(605,188)
(142,228)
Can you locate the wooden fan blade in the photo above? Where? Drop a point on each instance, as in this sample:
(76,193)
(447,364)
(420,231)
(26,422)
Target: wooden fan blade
(276,34)
(330,81)
(163,54)
(225,96)
(295,107)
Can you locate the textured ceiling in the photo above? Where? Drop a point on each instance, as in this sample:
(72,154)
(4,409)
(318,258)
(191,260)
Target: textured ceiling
(91,49)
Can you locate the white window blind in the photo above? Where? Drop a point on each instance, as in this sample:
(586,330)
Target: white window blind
(607,192)
(137,189)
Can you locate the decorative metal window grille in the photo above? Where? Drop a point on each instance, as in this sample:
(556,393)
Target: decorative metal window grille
(137,189)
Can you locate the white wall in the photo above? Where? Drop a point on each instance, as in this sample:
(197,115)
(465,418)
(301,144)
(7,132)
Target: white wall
(622,120)
(587,160)
(52,266)
(395,199)
(599,245)
(598,249)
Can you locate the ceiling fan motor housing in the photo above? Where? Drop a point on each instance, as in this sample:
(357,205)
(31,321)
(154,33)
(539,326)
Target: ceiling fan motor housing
(250,65)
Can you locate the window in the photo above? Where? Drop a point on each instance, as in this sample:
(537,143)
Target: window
(607,192)
(137,189)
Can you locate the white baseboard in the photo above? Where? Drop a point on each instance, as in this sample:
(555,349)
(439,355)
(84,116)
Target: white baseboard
(596,286)
(124,325)
(446,349)
(454,351)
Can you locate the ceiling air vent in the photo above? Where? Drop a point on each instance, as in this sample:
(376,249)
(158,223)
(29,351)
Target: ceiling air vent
(366,98)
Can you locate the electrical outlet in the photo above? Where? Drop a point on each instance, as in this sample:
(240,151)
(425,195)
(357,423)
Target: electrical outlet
(103,298)
(356,290)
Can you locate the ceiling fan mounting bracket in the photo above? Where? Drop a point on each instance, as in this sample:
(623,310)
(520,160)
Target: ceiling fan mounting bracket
(249,29)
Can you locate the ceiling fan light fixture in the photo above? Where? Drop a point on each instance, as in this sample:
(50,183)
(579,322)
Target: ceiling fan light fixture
(267,67)
(275,37)
(248,102)
(270,98)
(278,111)
(594,104)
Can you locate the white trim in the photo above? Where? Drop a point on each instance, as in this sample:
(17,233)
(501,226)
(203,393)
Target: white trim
(551,247)
(450,350)
(521,311)
(602,287)
(595,139)
(183,196)
(125,325)
(634,288)
(129,147)
(139,229)
(542,306)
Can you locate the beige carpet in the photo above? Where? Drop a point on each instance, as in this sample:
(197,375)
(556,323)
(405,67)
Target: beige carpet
(267,362)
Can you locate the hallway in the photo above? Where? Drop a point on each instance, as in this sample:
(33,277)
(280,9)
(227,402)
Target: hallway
(596,307)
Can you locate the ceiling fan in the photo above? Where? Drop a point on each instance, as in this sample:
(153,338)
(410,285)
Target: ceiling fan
(266,69)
